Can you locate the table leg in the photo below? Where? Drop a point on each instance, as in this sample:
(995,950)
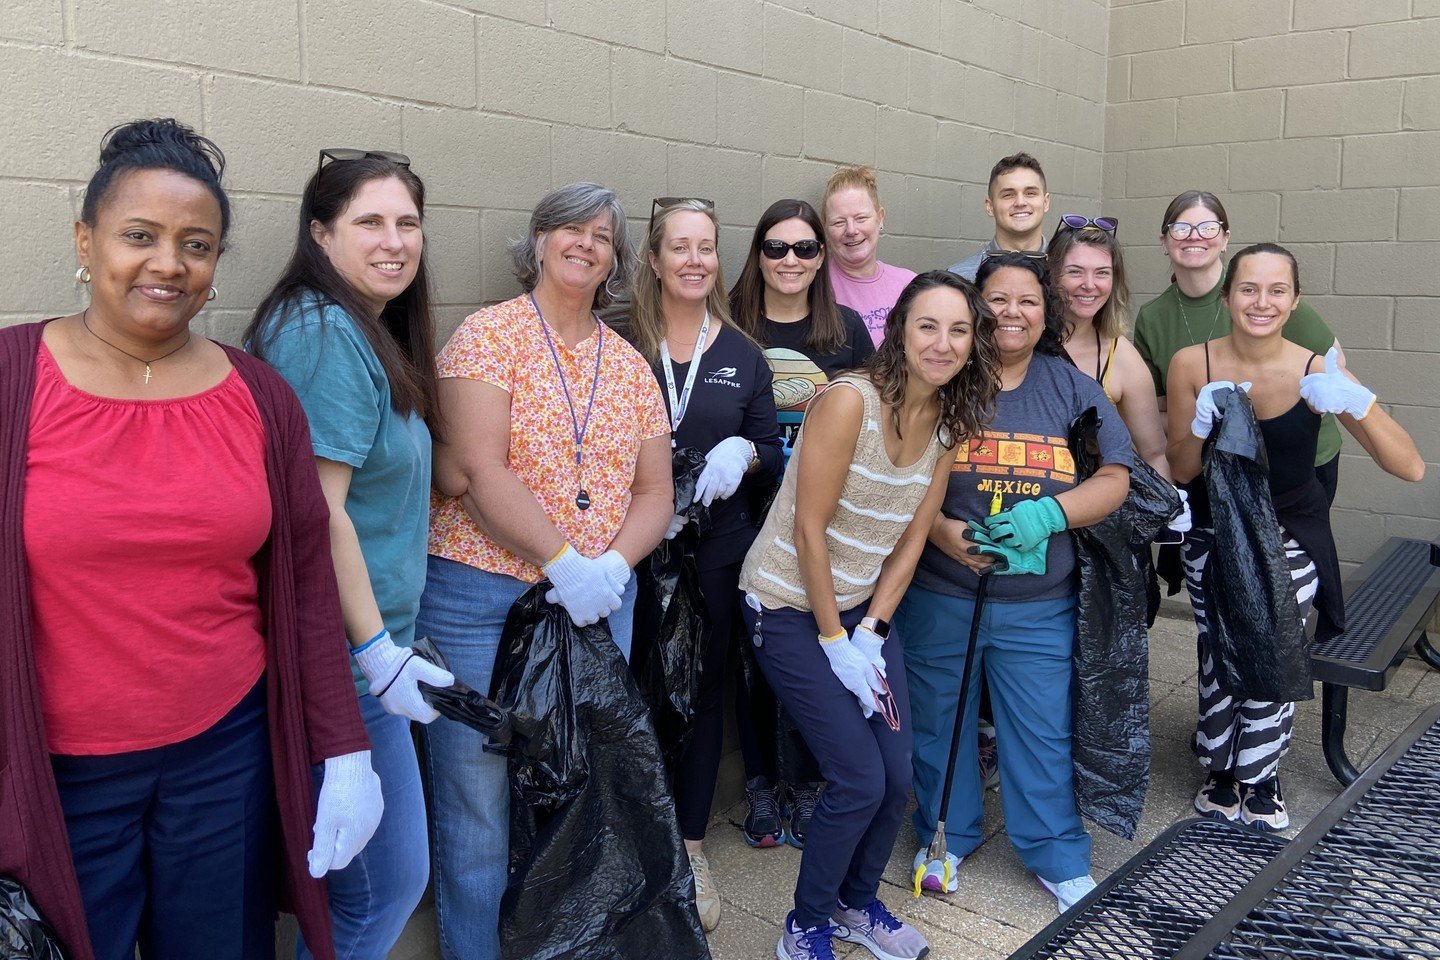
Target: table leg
(1427,652)
(1334,703)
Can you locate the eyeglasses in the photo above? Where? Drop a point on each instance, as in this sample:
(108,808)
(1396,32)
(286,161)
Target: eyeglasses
(1076,222)
(665,203)
(777,249)
(342,154)
(1206,229)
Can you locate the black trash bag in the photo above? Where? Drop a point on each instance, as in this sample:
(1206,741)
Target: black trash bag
(1111,688)
(672,625)
(462,703)
(1256,633)
(24,935)
(597,867)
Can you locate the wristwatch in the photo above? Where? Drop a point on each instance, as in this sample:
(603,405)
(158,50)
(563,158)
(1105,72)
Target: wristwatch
(754,455)
(881,628)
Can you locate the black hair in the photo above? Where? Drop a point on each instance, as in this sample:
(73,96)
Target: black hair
(160,144)
(967,401)
(403,335)
(1052,338)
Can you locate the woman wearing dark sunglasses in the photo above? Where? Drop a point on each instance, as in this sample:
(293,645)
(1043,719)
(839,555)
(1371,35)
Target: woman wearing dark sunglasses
(349,325)
(717,390)
(1194,234)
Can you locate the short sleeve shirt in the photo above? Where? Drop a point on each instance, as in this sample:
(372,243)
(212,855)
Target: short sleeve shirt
(506,346)
(1023,455)
(871,297)
(325,357)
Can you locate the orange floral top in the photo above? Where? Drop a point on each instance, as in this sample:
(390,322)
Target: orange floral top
(505,345)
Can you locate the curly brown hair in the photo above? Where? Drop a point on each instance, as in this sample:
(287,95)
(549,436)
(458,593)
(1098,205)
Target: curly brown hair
(967,401)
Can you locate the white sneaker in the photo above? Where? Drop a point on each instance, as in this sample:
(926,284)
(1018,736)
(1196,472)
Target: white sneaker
(934,875)
(1067,893)
(707,899)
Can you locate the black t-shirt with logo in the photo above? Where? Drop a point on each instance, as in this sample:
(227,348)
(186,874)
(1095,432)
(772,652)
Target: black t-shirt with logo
(800,371)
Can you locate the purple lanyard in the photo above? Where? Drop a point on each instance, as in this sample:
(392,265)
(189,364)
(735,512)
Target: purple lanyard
(578,427)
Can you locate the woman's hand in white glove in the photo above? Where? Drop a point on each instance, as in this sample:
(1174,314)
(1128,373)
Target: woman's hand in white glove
(616,568)
(1183,520)
(1333,392)
(1206,413)
(677,523)
(584,587)
(347,813)
(394,672)
(869,643)
(725,467)
(854,669)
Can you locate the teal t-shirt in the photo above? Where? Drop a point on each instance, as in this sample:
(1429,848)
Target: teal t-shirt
(322,354)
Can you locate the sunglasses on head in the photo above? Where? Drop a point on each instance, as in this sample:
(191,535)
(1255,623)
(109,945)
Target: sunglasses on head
(1076,222)
(665,203)
(777,249)
(1205,229)
(343,154)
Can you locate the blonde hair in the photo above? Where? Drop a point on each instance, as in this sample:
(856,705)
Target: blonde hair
(647,325)
(846,178)
(1110,320)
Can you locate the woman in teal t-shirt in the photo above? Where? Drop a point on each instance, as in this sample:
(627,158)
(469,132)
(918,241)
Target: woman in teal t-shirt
(349,325)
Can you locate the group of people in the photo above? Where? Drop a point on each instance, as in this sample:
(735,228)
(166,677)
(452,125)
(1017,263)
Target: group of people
(201,537)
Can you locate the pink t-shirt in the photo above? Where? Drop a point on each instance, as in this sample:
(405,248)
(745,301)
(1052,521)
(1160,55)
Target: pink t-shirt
(872,297)
(141,524)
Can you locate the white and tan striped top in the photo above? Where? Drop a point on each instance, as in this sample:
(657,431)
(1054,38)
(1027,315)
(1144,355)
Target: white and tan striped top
(877,502)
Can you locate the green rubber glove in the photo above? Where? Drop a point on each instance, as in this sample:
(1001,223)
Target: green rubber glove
(1008,560)
(1026,525)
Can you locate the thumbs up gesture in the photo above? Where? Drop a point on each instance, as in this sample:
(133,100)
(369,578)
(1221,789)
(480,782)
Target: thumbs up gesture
(1334,391)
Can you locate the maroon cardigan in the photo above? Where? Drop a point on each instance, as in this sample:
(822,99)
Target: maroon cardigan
(313,711)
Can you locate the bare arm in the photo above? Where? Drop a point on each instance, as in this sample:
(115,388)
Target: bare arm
(832,428)
(357,597)
(1388,444)
(1097,497)
(898,568)
(1139,407)
(473,465)
(1183,385)
(652,502)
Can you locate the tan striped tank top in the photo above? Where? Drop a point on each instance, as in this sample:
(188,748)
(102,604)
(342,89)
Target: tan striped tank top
(877,502)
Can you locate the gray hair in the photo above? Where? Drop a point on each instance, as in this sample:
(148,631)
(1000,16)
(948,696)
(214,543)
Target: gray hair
(575,203)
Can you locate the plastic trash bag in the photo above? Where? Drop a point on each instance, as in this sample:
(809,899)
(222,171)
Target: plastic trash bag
(1111,692)
(672,626)
(597,867)
(1257,635)
(23,934)
(462,703)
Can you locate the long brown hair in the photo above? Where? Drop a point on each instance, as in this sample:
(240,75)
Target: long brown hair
(647,325)
(747,297)
(967,400)
(1110,319)
(403,335)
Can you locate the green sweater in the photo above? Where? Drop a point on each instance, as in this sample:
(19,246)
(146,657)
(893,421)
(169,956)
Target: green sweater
(1173,321)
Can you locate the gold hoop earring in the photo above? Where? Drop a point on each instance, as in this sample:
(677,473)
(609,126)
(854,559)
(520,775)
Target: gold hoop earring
(82,275)
(213,294)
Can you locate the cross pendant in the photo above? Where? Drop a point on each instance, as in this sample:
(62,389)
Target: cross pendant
(147,373)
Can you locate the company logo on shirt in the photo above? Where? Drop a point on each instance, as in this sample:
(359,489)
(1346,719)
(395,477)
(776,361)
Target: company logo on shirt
(722,377)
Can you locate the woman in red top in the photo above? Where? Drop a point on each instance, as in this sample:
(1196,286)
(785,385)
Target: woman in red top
(185,646)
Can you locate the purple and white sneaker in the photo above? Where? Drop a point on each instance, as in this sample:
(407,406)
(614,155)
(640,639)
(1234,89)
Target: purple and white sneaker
(881,932)
(812,943)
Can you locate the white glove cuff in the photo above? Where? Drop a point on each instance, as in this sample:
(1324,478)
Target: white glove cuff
(347,770)
(566,569)
(381,662)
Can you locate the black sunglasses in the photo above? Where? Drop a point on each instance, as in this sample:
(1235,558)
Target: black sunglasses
(665,203)
(343,154)
(1076,222)
(777,249)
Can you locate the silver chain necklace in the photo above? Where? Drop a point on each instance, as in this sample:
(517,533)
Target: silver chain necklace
(1186,320)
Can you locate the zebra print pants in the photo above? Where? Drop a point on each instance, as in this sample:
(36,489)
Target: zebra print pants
(1246,737)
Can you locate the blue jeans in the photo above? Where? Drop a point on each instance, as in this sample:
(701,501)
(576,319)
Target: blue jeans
(1024,649)
(373,897)
(463,611)
(176,847)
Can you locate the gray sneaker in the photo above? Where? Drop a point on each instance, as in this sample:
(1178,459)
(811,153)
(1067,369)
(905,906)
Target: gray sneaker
(881,932)
(810,944)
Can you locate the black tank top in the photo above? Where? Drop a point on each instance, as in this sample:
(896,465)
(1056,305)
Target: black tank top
(1290,440)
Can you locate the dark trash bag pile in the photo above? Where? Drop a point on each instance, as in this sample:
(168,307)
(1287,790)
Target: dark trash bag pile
(1111,691)
(23,934)
(671,624)
(1255,627)
(597,867)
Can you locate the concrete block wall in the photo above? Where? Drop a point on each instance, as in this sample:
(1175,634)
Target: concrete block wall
(742,101)
(1318,123)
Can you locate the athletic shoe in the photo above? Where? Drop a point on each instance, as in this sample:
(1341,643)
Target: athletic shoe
(1219,797)
(881,932)
(707,899)
(989,756)
(798,809)
(1263,807)
(935,876)
(763,826)
(810,944)
(1067,893)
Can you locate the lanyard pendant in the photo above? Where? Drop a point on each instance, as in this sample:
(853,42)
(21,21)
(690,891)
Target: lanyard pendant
(582,499)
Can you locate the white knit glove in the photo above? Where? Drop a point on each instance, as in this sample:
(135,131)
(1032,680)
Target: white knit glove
(853,668)
(347,814)
(869,643)
(616,568)
(584,587)
(1206,413)
(677,523)
(725,467)
(1333,392)
(393,673)
(1182,521)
